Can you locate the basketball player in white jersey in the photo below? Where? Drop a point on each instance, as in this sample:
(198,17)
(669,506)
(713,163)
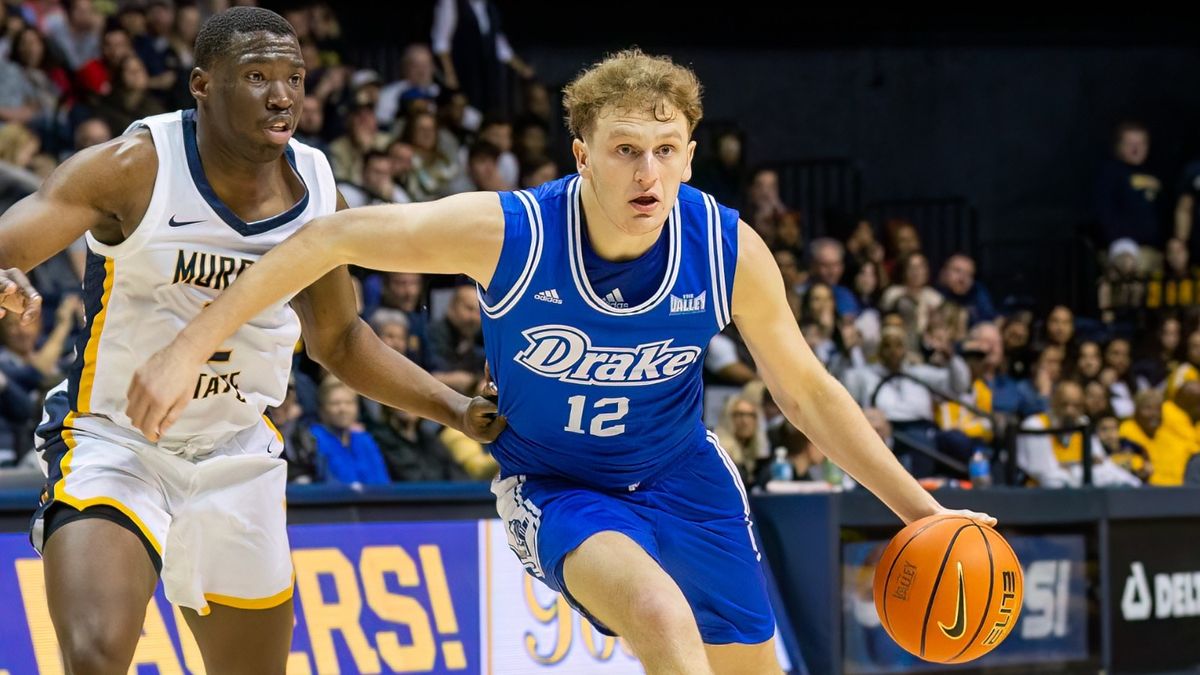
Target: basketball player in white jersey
(173,212)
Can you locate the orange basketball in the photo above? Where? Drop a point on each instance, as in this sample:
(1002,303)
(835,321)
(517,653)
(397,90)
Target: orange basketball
(948,589)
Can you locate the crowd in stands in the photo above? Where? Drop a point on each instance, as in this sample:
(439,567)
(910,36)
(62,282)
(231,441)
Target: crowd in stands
(943,371)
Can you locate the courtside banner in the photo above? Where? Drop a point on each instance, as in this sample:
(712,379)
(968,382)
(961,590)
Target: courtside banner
(370,598)
(439,597)
(1052,627)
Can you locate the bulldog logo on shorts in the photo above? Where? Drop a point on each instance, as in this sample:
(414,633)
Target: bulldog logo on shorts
(517,541)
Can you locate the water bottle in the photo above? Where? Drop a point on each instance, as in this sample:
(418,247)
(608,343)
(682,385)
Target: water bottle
(781,468)
(980,470)
(833,474)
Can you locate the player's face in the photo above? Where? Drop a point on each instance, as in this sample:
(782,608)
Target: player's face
(252,97)
(634,163)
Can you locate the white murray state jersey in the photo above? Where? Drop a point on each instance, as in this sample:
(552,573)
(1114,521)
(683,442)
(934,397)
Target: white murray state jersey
(188,248)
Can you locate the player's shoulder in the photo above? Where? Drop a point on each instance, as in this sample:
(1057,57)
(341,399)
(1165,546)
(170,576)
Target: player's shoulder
(125,163)
(546,199)
(555,189)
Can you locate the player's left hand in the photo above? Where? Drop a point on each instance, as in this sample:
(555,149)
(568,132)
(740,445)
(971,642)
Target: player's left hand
(159,391)
(481,420)
(983,518)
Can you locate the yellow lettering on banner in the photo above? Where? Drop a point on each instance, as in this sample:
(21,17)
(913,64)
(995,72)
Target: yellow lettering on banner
(192,659)
(33,593)
(443,605)
(608,644)
(155,648)
(558,613)
(323,618)
(376,562)
(297,664)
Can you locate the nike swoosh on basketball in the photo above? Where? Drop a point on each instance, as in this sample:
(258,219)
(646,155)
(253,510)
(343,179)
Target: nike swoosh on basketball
(181,223)
(959,628)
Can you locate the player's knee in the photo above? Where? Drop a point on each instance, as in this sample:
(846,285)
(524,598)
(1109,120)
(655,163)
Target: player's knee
(662,615)
(98,648)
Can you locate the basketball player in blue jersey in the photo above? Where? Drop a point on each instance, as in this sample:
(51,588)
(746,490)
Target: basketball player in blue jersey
(173,211)
(599,294)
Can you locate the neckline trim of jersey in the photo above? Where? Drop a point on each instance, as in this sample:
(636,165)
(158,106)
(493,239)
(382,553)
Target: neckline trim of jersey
(196,168)
(579,272)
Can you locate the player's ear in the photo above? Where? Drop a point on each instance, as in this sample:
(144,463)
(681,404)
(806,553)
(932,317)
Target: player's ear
(691,153)
(198,83)
(582,158)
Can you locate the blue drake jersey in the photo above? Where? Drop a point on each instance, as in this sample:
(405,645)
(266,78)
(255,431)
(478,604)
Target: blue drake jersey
(606,394)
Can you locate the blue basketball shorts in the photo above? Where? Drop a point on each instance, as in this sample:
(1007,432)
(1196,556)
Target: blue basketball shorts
(694,519)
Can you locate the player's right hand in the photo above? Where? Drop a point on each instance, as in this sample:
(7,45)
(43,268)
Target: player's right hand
(159,392)
(18,295)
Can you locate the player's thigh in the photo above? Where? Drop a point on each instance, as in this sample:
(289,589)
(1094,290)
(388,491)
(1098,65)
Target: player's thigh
(740,659)
(617,581)
(705,541)
(243,641)
(99,579)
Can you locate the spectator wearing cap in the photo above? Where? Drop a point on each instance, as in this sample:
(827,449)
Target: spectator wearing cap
(417,72)
(364,88)
(1122,290)
(958,285)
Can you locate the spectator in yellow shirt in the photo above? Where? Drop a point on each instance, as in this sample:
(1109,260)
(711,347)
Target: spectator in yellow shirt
(1180,437)
(1140,435)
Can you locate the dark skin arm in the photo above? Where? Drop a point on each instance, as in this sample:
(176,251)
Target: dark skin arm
(104,189)
(345,345)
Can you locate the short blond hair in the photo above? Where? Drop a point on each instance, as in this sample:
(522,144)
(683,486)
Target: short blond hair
(632,80)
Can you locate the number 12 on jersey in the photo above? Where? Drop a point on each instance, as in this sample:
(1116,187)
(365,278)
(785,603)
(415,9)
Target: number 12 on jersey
(605,410)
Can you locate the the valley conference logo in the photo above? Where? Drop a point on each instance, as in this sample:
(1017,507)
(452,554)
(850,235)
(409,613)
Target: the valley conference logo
(566,353)
(688,304)
(1176,595)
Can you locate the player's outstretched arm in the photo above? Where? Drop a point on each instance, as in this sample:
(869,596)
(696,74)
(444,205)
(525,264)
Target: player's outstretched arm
(345,345)
(462,234)
(808,395)
(104,189)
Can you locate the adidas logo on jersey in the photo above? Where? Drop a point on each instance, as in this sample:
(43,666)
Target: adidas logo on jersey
(614,299)
(688,304)
(548,296)
(566,353)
